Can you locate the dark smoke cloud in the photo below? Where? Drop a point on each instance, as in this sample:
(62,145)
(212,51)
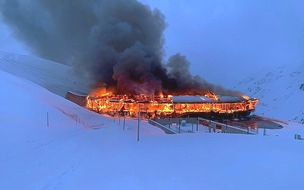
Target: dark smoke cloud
(178,69)
(117,43)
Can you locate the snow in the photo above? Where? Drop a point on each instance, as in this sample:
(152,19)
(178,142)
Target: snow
(96,153)
(279,92)
(55,77)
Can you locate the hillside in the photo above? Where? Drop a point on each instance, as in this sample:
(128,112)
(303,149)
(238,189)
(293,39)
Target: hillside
(96,153)
(281,92)
(55,77)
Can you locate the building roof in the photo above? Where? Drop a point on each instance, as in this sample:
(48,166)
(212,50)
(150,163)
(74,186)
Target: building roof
(191,99)
(204,99)
(231,99)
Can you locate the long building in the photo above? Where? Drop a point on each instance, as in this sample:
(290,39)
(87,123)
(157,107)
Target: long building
(173,106)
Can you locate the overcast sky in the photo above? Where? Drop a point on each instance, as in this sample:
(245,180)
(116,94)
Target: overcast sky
(234,37)
(224,39)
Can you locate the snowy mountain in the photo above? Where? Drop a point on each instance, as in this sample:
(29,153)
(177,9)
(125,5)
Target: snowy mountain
(281,92)
(47,142)
(55,77)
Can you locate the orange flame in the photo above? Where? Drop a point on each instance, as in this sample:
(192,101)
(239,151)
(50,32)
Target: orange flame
(102,101)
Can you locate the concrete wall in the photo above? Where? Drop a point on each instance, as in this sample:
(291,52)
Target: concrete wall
(76,98)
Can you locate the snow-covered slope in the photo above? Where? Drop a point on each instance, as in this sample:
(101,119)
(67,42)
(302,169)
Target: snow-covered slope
(95,153)
(279,91)
(53,76)
(36,153)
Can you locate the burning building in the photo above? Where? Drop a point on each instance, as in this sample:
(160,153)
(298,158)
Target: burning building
(172,106)
(108,45)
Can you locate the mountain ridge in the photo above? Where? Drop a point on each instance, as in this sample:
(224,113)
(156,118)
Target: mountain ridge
(279,91)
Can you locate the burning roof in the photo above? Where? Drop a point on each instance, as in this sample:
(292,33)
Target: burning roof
(191,99)
(159,106)
(206,99)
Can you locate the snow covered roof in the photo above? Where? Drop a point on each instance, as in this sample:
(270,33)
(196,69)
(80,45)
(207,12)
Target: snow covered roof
(231,98)
(204,99)
(191,99)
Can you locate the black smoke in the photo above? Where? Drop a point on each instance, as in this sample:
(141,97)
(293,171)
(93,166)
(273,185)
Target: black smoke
(117,43)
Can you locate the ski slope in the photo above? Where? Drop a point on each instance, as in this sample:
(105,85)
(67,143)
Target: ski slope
(95,153)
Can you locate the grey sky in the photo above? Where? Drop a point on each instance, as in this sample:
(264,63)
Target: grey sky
(228,39)
(225,39)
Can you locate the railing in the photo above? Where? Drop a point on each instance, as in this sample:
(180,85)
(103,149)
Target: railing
(225,128)
(162,127)
(212,126)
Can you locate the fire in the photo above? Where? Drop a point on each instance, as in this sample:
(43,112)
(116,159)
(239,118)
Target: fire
(245,97)
(161,105)
(99,92)
(212,96)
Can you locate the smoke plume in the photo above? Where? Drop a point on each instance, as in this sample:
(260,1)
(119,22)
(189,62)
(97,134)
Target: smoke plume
(117,43)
